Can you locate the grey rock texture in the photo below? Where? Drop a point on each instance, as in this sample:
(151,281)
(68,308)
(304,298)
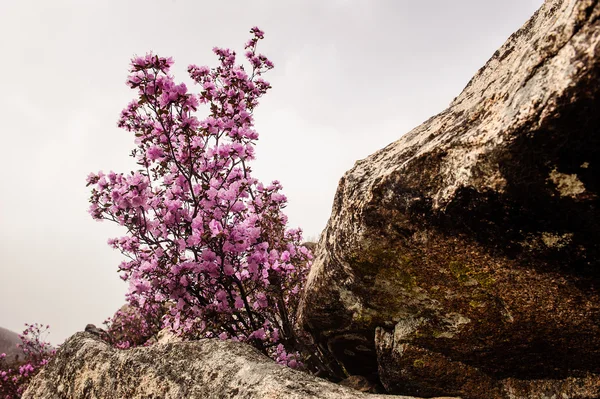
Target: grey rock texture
(465,255)
(87,367)
(361,384)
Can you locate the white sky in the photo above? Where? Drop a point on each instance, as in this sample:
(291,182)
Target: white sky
(350,77)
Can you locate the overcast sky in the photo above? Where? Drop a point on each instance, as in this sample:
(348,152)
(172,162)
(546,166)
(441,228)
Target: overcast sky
(350,77)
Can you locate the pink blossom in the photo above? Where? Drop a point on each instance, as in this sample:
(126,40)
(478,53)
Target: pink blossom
(154,152)
(203,237)
(258,334)
(261,301)
(239,303)
(215,227)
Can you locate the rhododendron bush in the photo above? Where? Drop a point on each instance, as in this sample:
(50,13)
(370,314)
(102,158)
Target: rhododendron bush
(203,235)
(36,352)
(135,325)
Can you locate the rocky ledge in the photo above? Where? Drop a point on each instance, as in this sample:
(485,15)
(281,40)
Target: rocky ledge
(87,367)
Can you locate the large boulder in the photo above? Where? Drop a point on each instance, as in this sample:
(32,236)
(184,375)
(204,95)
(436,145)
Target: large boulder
(464,258)
(87,367)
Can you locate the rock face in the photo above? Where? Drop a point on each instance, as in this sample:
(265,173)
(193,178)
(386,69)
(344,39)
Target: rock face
(87,367)
(464,258)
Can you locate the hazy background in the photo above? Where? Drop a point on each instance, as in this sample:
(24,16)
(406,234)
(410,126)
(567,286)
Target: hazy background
(350,77)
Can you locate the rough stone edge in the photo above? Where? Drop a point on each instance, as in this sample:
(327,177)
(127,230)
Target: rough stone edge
(87,367)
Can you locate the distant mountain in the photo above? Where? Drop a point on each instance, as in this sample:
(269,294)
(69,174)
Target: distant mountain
(8,344)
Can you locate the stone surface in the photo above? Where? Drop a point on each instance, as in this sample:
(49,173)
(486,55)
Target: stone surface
(362,384)
(87,367)
(466,254)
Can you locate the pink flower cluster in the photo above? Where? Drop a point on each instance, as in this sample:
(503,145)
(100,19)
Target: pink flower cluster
(135,325)
(36,353)
(291,360)
(204,238)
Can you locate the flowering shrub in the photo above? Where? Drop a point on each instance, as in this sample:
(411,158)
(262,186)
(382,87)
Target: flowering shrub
(202,234)
(36,353)
(135,325)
